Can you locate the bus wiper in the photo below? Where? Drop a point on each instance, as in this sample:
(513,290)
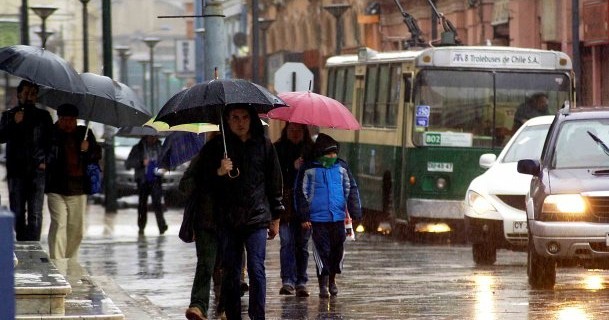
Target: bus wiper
(599,142)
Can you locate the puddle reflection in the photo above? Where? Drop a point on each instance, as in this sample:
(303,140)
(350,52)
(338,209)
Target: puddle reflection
(150,265)
(484,295)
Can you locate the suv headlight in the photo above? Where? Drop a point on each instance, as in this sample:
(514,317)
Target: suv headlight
(563,207)
(479,203)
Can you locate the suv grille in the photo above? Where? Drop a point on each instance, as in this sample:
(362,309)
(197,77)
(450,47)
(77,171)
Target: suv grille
(514,201)
(599,208)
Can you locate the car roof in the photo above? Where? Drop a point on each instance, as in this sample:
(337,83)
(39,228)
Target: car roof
(539,120)
(586,112)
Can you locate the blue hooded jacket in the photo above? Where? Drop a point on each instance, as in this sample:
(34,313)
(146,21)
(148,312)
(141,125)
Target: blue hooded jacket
(324,194)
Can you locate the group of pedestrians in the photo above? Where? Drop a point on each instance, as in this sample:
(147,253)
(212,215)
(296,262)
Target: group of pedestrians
(247,190)
(42,157)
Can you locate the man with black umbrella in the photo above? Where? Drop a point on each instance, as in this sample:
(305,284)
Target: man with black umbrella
(246,186)
(26,131)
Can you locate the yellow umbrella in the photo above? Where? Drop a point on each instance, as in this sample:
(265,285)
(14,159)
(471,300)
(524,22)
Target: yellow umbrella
(188,127)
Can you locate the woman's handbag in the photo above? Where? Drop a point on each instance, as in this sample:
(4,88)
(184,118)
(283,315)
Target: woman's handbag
(94,173)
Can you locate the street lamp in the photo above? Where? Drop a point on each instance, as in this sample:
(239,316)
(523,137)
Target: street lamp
(43,12)
(337,10)
(123,54)
(167,73)
(144,93)
(264,25)
(85,36)
(151,42)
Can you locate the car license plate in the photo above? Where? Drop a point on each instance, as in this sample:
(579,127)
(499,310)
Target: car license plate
(521,227)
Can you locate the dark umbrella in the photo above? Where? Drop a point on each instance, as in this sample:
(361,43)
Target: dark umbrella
(41,67)
(179,147)
(205,102)
(140,131)
(105,101)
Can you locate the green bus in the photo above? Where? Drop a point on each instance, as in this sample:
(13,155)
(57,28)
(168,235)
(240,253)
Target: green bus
(427,115)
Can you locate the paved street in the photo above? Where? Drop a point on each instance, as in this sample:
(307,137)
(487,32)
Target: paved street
(150,277)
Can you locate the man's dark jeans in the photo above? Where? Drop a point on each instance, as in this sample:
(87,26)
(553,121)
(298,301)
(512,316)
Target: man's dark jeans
(154,190)
(207,244)
(26,197)
(255,247)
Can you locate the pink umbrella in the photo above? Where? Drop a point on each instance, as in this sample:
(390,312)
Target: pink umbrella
(314,109)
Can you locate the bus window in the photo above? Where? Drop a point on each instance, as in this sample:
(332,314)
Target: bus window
(394,95)
(331,83)
(370,95)
(350,83)
(339,85)
(380,112)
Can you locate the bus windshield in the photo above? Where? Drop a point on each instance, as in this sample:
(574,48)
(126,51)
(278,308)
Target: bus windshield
(458,108)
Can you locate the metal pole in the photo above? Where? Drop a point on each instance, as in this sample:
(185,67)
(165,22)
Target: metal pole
(199,49)
(85,36)
(576,52)
(109,159)
(214,43)
(25,28)
(151,42)
(144,88)
(255,41)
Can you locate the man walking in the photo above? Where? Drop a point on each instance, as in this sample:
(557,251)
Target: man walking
(26,131)
(247,192)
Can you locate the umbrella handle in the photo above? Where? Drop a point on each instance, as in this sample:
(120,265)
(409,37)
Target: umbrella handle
(230,175)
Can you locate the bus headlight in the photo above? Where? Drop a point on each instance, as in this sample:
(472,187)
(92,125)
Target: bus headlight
(479,203)
(441,183)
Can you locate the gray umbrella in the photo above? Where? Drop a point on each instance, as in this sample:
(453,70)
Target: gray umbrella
(140,131)
(41,67)
(106,101)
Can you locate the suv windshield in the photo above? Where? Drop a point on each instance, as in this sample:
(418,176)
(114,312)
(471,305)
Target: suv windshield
(580,144)
(528,144)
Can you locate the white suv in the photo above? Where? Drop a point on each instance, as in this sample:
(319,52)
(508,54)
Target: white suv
(495,216)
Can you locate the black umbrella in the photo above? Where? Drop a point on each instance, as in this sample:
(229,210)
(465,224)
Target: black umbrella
(140,131)
(205,102)
(41,67)
(105,101)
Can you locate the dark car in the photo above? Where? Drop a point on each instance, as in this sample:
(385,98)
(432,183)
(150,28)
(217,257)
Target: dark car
(568,201)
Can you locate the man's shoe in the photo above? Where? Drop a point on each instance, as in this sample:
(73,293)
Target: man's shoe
(301,291)
(323,286)
(287,290)
(194,313)
(163,229)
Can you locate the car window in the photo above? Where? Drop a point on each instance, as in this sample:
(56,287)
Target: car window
(528,144)
(580,144)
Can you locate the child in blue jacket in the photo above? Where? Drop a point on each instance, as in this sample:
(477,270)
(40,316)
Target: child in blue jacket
(324,191)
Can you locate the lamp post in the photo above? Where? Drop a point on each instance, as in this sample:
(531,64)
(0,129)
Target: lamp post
(167,73)
(123,54)
(42,35)
(144,63)
(43,12)
(85,36)
(151,42)
(264,25)
(337,10)
(157,71)
(200,55)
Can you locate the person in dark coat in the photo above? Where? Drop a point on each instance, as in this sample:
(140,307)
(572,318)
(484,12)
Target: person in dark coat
(246,185)
(26,130)
(67,182)
(144,159)
(324,191)
(294,143)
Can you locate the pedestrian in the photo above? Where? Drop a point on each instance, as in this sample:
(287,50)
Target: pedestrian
(26,131)
(295,141)
(67,182)
(199,200)
(144,158)
(247,193)
(325,190)
(535,106)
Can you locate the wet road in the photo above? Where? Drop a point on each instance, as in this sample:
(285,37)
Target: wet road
(382,279)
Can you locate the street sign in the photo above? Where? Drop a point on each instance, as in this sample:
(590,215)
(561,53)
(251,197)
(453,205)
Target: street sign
(293,76)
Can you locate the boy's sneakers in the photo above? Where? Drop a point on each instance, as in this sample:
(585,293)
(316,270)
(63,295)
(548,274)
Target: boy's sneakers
(301,291)
(286,289)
